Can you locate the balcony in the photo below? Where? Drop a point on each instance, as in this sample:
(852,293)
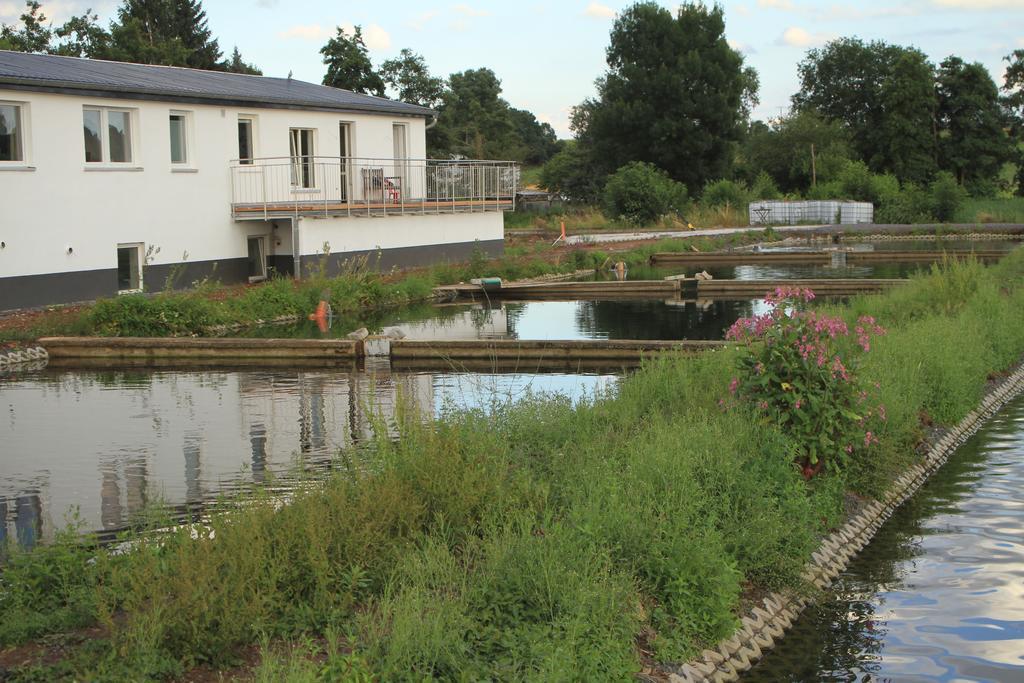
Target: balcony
(283,187)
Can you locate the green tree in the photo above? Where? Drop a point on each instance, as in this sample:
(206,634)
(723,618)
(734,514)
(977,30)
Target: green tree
(235,64)
(409,76)
(82,36)
(973,144)
(784,150)
(882,94)
(674,94)
(349,66)
(1013,100)
(538,141)
(168,32)
(570,173)
(906,141)
(33,36)
(474,119)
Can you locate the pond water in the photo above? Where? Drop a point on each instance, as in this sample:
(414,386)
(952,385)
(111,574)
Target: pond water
(938,595)
(112,442)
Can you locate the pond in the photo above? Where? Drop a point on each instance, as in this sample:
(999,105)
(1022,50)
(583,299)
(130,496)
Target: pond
(110,443)
(938,595)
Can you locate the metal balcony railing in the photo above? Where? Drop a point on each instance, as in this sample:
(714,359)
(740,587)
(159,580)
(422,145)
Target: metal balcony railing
(265,188)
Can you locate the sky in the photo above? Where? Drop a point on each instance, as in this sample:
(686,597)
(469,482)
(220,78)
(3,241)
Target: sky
(548,53)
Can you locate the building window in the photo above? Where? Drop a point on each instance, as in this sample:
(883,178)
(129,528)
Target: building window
(129,267)
(12,133)
(246,149)
(300,143)
(108,135)
(179,125)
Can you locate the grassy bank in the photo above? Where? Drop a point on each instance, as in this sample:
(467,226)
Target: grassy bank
(356,296)
(546,541)
(1002,210)
(590,219)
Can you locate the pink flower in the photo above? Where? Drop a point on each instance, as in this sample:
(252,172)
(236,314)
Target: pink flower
(881,412)
(734,384)
(848,448)
(798,404)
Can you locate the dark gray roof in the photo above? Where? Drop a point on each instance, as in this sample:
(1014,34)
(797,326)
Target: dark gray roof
(143,81)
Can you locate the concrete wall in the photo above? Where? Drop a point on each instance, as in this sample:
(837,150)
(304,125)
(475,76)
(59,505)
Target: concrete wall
(60,215)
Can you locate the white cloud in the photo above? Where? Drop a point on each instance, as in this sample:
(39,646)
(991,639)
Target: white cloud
(459,26)
(470,11)
(981,4)
(375,37)
(798,37)
(784,5)
(742,10)
(599,11)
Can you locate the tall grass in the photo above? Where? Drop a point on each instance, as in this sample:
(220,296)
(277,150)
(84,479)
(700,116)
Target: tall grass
(541,541)
(991,210)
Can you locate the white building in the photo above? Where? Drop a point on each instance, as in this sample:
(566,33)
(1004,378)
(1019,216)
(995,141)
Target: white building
(114,177)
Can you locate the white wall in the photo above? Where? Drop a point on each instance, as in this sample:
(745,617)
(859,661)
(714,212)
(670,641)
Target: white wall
(56,200)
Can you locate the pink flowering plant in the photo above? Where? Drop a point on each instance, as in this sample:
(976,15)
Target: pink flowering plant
(800,371)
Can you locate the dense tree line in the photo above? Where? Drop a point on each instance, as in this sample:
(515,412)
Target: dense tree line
(474,120)
(870,121)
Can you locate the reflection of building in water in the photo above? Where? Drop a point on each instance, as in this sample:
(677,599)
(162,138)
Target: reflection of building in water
(192,450)
(27,511)
(475,321)
(117,510)
(258,441)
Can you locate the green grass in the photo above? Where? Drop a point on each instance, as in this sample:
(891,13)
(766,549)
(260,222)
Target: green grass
(986,210)
(530,176)
(538,542)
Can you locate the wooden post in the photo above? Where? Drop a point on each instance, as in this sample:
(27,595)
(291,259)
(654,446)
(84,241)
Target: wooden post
(814,168)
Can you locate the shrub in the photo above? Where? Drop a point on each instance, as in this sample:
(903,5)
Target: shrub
(946,196)
(724,193)
(910,205)
(642,193)
(801,379)
(764,187)
(571,173)
(857,182)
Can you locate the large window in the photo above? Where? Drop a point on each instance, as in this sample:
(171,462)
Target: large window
(108,135)
(179,125)
(246,150)
(300,143)
(12,133)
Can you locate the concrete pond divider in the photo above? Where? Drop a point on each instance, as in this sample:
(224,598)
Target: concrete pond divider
(824,256)
(767,622)
(445,354)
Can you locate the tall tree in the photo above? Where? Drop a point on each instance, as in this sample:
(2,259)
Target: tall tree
(349,66)
(1013,100)
(411,81)
(673,94)
(474,118)
(881,94)
(235,64)
(168,32)
(973,144)
(905,142)
(82,36)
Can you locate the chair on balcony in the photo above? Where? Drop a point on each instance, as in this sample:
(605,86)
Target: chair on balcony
(393,188)
(373,184)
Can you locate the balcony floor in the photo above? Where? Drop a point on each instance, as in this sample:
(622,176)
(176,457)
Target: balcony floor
(363,209)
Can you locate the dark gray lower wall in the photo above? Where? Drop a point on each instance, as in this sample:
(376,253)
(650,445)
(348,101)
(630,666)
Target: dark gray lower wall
(30,291)
(404,257)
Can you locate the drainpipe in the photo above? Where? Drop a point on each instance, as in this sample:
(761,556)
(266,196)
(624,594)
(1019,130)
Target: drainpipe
(296,253)
(433,122)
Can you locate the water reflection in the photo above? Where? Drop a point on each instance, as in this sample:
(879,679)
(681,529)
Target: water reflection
(127,439)
(937,595)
